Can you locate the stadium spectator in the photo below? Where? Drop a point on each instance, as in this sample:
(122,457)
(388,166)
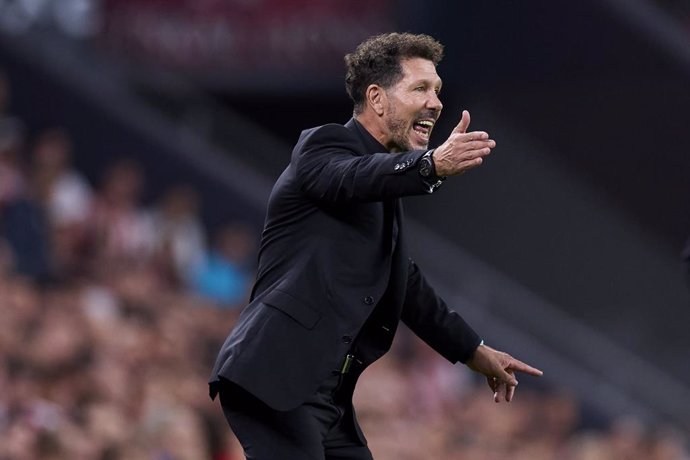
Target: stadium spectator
(11,145)
(66,197)
(224,273)
(23,222)
(121,229)
(180,235)
(12,180)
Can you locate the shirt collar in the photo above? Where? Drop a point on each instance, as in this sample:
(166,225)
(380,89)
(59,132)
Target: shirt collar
(370,143)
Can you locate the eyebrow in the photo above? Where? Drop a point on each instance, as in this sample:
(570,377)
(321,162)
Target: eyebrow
(428,82)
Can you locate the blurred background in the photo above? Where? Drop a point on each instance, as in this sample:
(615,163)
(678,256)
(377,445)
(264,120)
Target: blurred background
(138,143)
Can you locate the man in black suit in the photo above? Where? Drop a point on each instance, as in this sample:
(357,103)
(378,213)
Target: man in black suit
(334,276)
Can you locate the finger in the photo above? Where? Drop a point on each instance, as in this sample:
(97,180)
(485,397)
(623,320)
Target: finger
(510,392)
(493,383)
(500,390)
(464,123)
(469,162)
(472,158)
(517,365)
(472,136)
(477,145)
(510,389)
(466,165)
(507,378)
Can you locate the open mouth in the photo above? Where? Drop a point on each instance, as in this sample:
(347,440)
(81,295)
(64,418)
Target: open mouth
(423,128)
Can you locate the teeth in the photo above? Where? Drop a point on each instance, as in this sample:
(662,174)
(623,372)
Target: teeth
(426,123)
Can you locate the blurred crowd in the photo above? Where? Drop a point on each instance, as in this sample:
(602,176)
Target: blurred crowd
(112,311)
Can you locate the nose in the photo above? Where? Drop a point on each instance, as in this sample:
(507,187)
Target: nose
(433,102)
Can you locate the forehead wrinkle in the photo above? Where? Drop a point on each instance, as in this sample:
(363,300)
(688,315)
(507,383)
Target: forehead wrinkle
(429,77)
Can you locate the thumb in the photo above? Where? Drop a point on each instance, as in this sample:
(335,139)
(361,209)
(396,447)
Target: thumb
(464,123)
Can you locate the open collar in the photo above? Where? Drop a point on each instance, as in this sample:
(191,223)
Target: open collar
(370,143)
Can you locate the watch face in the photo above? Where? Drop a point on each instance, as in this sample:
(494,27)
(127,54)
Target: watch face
(425,167)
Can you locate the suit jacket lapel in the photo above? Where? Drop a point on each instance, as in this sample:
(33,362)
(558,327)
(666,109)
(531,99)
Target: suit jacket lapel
(392,208)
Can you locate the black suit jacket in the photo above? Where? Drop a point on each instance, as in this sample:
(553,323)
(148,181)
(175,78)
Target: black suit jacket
(333,248)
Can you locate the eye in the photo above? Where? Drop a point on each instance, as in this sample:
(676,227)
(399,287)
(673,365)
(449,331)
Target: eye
(420,88)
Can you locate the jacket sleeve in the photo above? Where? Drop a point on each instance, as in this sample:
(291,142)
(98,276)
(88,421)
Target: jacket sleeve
(331,167)
(428,316)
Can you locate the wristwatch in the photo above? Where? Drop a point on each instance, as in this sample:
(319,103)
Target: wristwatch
(427,169)
(426,165)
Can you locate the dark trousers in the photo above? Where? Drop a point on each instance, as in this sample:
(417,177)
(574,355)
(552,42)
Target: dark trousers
(323,428)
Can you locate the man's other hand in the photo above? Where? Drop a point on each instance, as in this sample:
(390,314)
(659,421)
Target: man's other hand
(499,369)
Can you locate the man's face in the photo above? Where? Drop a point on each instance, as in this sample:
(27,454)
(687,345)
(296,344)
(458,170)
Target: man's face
(412,106)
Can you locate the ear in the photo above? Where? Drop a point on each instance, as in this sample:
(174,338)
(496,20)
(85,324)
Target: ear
(376,97)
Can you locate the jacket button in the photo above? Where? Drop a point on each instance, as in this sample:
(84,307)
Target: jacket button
(368,300)
(346,339)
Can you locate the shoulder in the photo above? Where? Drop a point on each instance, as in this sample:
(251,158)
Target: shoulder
(329,134)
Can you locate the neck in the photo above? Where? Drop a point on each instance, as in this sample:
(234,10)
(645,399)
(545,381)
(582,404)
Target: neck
(375,126)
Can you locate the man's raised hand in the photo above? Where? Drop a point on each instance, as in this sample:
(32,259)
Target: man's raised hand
(462,150)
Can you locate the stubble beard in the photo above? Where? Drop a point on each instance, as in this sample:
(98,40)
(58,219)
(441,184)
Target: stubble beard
(400,141)
(399,131)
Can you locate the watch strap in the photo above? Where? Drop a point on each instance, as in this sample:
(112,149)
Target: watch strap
(427,170)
